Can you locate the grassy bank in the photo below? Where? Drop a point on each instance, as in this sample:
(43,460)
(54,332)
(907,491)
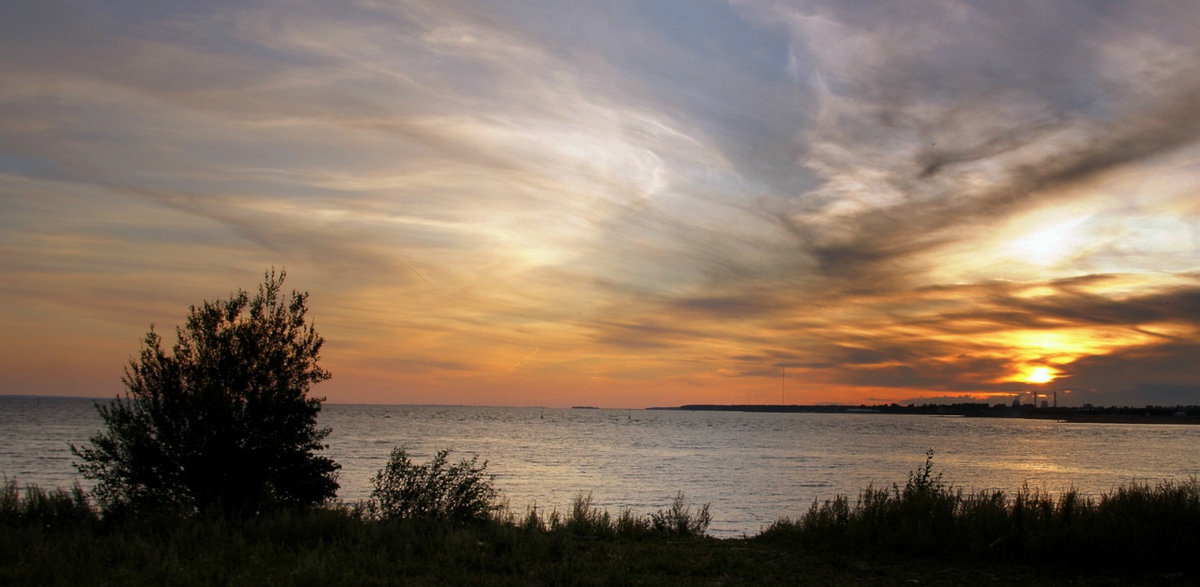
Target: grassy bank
(1138,526)
(923,532)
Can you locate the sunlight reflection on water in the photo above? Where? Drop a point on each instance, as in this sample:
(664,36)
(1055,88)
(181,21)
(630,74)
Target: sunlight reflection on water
(752,468)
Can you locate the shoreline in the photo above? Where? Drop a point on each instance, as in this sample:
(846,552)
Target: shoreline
(1186,415)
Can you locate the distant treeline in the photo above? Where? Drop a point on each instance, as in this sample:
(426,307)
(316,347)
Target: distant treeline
(1146,414)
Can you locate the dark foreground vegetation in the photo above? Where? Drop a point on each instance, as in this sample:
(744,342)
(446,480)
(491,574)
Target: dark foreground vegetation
(924,532)
(220,423)
(1137,526)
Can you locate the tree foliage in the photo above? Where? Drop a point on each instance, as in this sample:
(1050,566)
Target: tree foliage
(222,423)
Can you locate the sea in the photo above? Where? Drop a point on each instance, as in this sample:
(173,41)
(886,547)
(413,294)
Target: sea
(752,468)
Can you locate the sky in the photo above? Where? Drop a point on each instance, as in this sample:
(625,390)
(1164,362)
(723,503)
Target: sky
(620,204)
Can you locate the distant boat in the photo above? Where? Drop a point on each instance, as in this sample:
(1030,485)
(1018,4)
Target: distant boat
(585,408)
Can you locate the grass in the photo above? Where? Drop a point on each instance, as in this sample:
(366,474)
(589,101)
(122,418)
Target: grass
(37,507)
(1138,526)
(923,532)
(585,521)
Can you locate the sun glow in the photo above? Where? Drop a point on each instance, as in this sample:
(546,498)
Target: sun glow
(1051,242)
(1038,354)
(1041,375)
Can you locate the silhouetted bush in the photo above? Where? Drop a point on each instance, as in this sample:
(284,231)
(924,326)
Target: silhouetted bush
(223,422)
(585,519)
(435,490)
(679,520)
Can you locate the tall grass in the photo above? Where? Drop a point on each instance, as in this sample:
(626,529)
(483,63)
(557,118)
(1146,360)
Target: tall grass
(37,507)
(585,520)
(1135,525)
(60,537)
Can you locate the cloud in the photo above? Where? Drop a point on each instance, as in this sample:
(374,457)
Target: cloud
(882,197)
(1164,363)
(953,117)
(1143,394)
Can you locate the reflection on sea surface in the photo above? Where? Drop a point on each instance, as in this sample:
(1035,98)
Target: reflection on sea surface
(752,467)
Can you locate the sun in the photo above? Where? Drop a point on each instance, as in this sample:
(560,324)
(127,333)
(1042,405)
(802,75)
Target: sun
(1041,375)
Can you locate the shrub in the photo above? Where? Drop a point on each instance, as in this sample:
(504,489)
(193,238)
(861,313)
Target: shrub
(587,520)
(630,525)
(223,423)
(679,520)
(435,490)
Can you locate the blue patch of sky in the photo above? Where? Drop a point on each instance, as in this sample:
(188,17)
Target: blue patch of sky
(24,165)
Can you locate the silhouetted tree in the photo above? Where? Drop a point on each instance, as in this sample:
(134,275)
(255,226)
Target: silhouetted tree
(223,423)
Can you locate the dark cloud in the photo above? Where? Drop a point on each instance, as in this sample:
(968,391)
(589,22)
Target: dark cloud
(963,375)
(942,152)
(1162,365)
(1180,306)
(1062,304)
(1144,394)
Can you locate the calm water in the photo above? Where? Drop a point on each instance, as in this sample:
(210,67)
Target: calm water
(752,468)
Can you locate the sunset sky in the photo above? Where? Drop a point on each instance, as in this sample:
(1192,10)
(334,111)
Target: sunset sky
(622,204)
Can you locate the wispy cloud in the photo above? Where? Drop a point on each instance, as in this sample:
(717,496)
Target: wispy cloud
(539,203)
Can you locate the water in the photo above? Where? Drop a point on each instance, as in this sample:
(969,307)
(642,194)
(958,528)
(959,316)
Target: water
(752,467)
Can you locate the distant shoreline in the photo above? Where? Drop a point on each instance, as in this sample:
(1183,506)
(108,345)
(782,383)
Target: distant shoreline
(1084,414)
(1089,414)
